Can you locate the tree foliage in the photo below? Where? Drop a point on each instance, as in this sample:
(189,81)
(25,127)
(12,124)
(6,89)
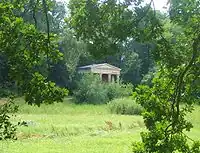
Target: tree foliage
(26,50)
(27,54)
(105,24)
(175,84)
(73,50)
(7,129)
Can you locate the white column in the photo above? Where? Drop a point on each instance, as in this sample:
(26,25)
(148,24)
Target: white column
(112,79)
(118,78)
(109,77)
(100,76)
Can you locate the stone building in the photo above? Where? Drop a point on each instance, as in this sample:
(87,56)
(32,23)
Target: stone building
(107,72)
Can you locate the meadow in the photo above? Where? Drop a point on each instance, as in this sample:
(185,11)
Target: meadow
(70,128)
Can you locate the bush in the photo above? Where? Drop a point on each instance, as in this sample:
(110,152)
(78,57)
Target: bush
(7,129)
(5,92)
(118,90)
(91,89)
(147,78)
(125,106)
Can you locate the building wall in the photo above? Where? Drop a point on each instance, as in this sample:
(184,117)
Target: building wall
(107,73)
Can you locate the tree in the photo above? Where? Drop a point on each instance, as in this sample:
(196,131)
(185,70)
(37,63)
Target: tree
(26,50)
(106,24)
(137,61)
(33,12)
(73,50)
(109,25)
(175,83)
(73,53)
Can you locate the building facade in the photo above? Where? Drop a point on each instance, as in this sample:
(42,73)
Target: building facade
(107,72)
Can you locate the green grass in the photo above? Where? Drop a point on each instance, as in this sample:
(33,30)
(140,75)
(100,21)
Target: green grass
(194,117)
(70,128)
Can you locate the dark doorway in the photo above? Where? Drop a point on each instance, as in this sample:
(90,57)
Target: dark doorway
(105,77)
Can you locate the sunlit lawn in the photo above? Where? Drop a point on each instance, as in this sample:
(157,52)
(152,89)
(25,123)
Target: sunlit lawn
(69,128)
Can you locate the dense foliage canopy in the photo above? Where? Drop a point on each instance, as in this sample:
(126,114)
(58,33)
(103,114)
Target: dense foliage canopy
(106,24)
(27,50)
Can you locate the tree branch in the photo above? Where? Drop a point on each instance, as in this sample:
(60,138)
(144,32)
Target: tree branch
(48,30)
(34,6)
(180,79)
(145,13)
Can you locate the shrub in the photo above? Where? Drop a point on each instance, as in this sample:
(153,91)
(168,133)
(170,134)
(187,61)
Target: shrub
(118,90)
(126,106)
(147,78)
(5,92)
(7,129)
(40,90)
(91,89)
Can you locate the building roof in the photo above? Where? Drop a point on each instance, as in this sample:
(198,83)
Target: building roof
(106,65)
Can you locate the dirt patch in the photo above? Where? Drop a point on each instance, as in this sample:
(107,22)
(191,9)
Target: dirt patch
(3,101)
(29,136)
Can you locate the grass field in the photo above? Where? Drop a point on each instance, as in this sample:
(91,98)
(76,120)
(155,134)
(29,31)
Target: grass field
(69,128)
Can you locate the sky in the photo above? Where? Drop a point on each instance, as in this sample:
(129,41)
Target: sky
(159,4)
